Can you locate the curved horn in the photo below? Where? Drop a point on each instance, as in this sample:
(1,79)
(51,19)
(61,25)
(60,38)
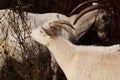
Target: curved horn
(60,24)
(93,7)
(65,22)
(84,3)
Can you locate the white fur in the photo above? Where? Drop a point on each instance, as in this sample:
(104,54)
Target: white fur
(82,62)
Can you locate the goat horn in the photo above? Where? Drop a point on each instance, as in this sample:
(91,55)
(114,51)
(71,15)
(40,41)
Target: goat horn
(56,24)
(84,3)
(65,22)
(88,9)
(60,24)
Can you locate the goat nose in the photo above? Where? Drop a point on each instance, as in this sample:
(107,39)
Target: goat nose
(105,18)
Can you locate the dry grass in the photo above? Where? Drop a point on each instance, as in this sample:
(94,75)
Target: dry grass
(35,65)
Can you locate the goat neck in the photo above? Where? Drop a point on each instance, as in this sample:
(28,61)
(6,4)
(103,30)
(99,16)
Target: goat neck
(62,54)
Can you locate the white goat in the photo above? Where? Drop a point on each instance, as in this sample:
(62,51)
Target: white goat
(83,24)
(79,62)
(84,21)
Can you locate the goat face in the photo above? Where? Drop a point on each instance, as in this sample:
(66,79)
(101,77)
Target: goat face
(44,34)
(40,36)
(101,21)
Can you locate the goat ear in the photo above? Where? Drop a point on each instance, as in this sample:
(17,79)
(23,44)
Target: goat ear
(53,31)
